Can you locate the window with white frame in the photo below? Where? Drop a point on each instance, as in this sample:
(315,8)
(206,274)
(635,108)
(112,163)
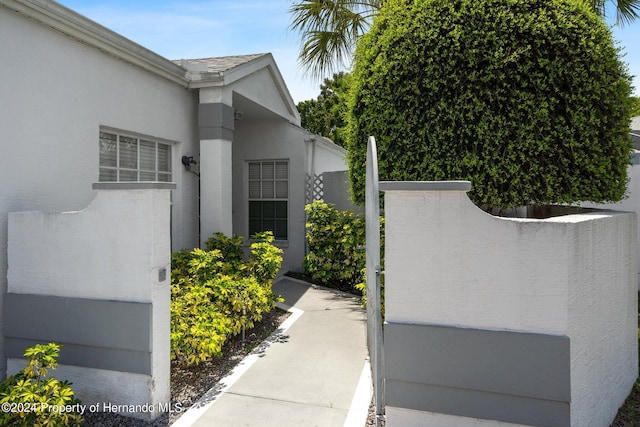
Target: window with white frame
(131,158)
(269,197)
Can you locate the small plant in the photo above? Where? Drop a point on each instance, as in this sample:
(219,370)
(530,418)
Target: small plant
(31,398)
(216,293)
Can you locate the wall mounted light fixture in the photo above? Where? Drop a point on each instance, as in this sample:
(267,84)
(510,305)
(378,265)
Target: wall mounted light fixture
(187,161)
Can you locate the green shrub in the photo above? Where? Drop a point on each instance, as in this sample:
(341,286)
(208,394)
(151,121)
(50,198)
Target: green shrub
(31,398)
(526,99)
(215,293)
(230,248)
(265,259)
(337,257)
(336,238)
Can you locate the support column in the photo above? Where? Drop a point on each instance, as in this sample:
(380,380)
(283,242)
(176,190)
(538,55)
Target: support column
(215,121)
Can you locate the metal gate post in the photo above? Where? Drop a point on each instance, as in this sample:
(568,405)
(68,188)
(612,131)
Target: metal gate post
(374,317)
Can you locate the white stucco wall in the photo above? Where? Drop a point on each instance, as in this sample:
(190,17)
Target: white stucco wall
(56,93)
(632,200)
(329,157)
(448,263)
(113,250)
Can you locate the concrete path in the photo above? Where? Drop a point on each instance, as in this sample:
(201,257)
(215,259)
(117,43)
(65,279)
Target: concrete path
(312,372)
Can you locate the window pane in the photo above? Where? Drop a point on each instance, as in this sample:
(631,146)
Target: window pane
(269,180)
(254,189)
(268,190)
(108,149)
(254,171)
(148,156)
(128,152)
(268,210)
(108,175)
(280,232)
(128,175)
(267,170)
(164,158)
(282,189)
(164,177)
(280,210)
(269,225)
(255,226)
(255,210)
(282,170)
(147,176)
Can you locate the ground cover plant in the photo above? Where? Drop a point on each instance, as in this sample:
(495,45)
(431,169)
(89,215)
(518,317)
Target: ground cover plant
(527,100)
(32,398)
(216,293)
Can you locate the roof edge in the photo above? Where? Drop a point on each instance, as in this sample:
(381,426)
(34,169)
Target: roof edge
(66,21)
(238,72)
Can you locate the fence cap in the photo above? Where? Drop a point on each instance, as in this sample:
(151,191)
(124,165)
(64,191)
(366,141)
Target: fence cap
(425,185)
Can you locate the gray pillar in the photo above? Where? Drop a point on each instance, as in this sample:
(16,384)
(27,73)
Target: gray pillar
(215,122)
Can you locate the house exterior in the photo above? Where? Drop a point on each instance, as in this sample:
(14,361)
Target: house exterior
(80,104)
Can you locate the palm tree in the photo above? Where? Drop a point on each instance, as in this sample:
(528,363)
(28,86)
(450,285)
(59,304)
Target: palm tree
(330,29)
(626,10)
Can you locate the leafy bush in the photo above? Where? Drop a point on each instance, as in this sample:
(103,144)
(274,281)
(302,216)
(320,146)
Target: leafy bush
(337,257)
(527,100)
(336,238)
(211,288)
(30,398)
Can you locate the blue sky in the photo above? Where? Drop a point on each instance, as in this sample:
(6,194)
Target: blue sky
(179,29)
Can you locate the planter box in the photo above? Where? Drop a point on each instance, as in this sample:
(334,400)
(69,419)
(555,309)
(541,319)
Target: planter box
(505,320)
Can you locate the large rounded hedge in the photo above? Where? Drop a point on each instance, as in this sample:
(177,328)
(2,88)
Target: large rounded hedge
(527,99)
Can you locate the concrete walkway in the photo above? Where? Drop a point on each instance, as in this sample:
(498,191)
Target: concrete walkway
(312,372)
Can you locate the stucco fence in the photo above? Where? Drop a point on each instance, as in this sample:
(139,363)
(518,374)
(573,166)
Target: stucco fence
(505,321)
(632,200)
(98,282)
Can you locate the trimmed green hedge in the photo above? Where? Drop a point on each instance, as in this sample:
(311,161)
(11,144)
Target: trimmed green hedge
(526,99)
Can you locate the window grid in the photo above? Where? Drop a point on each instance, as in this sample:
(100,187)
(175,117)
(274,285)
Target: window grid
(269,197)
(126,158)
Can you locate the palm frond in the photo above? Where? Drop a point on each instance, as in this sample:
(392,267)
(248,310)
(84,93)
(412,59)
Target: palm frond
(329,30)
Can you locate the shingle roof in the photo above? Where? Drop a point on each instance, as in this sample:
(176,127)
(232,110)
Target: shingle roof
(221,64)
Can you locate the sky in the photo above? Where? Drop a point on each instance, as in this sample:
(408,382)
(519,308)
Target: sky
(185,29)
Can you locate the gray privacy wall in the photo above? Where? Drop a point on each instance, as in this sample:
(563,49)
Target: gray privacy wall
(505,320)
(98,282)
(336,191)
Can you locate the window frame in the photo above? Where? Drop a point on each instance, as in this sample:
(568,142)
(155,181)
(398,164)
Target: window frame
(275,179)
(159,145)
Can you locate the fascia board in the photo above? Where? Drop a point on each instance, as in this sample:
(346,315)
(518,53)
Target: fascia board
(84,30)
